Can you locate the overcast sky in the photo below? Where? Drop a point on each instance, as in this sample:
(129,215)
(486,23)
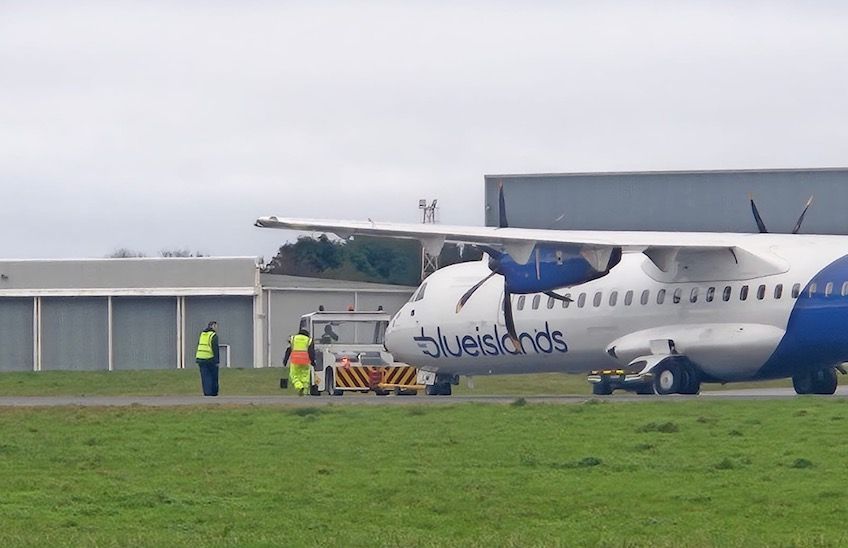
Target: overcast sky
(152,125)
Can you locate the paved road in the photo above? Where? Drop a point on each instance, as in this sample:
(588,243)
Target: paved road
(173,401)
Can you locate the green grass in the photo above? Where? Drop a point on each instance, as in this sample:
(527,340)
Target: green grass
(658,473)
(266,382)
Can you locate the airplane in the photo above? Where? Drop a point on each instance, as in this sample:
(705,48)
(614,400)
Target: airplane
(681,308)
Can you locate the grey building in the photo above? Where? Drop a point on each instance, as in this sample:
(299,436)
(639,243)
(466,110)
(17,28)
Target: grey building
(709,201)
(118,314)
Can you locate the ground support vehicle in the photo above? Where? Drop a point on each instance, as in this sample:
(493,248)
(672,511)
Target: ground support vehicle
(604,381)
(350,357)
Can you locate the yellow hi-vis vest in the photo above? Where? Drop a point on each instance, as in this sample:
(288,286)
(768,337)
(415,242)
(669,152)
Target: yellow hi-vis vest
(204,346)
(300,349)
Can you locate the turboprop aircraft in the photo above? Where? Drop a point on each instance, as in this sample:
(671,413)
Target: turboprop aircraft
(686,308)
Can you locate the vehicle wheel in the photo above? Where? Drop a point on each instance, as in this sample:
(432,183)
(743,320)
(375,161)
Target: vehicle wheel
(330,382)
(668,378)
(379,392)
(601,389)
(803,383)
(405,392)
(824,381)
(313,390)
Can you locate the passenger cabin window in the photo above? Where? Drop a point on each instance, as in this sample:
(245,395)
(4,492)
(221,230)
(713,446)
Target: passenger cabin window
(646,294)
(743,293)
(628,297)
(536,300)
(812,290)
(613,298)
(596,302)
(693,295)
(581,300)
(761,292)
(725,296)
(676,297)
(710,294)
(567,300)
(844,289)
(796,290)
(521,300)
(778,291)
(551,302)
(828,289)
(661,296)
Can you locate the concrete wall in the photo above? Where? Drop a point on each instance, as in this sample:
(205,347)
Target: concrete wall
(712,201)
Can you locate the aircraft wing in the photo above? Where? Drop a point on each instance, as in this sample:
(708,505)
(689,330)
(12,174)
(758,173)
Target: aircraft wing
(688,256)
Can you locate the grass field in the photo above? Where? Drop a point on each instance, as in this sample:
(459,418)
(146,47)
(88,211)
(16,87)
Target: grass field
(266,382)
(659,473)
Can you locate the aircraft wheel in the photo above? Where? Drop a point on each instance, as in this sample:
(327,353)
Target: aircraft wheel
(330,382)
(601,389)
(668,378)
(803,383)
(438,389)
(824,381)
(646,389)
(692,383)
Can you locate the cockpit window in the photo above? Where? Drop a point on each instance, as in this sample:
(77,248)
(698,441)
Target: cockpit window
(420,293)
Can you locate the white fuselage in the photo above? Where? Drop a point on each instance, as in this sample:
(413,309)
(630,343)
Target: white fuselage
(614,319)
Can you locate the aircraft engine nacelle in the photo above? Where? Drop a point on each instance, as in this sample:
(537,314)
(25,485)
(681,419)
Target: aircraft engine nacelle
(552,267)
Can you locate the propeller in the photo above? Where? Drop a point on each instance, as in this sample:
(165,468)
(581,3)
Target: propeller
(495,258)
(801,218)
(762,226)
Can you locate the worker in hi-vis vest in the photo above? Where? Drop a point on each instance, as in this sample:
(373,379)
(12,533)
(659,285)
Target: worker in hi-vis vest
(207,359)
(299,356)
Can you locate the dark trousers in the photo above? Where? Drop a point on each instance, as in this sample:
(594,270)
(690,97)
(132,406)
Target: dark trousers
(209,378)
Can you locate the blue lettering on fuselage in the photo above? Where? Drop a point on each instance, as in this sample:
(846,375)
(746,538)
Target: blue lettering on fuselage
(494,343)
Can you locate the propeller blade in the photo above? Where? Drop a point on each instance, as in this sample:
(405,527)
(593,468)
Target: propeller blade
(538,265)
(502,223)
(801,218)
(559,297)
(467,294)
(509,321)
(760,224)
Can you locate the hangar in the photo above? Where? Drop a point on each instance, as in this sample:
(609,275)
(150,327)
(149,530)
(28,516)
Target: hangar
(145,313)
(696,201)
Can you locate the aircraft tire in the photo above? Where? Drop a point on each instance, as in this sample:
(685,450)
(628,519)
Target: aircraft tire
(691,384)
(668,377)
(803,383)
(601,389)
(438,389)
(646,390)
(824,381)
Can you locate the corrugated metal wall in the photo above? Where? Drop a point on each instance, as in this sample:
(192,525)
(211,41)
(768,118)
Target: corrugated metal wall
(16,334)
(235,326)
(144,332)
(74,333)
(711,201)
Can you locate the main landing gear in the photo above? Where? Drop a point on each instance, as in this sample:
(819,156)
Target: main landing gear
(676,376)
(820,381)
(442,386)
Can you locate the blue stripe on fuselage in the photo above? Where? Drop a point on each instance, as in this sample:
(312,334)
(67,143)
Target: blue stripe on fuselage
(817,332)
